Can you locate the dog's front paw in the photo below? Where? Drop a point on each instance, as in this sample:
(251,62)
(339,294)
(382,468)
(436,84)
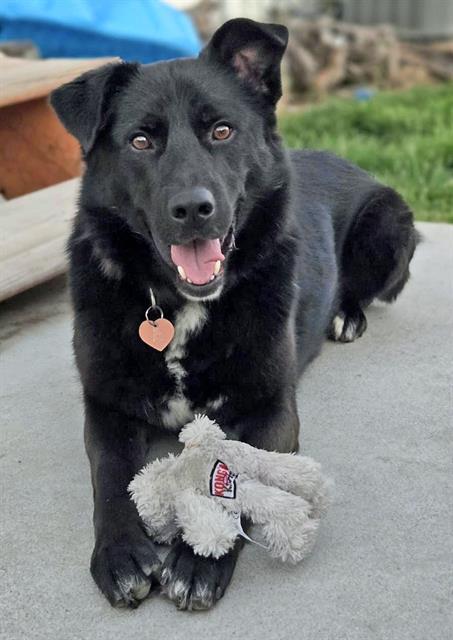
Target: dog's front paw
(124,567)
(195,582)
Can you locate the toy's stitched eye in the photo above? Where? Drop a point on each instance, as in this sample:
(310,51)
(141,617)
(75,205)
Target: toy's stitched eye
(141,142)
(222,131)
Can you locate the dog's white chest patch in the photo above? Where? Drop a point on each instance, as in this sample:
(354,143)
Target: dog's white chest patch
(188,322)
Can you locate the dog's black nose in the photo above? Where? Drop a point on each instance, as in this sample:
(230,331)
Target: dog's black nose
(194,204)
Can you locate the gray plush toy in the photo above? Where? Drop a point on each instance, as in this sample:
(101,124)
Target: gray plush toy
(202,493)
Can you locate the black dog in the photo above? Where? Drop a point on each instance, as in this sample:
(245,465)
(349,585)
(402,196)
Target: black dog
(254,254)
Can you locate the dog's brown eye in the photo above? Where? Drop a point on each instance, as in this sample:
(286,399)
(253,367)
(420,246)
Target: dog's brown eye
(141,142)
(222,132)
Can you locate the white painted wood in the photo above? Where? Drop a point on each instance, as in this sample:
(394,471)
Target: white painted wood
(33,234)
(23,79)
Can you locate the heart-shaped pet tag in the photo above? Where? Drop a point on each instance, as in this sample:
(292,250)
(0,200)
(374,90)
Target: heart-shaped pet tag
(157,334)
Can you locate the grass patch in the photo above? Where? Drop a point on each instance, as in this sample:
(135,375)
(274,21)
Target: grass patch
(404,138)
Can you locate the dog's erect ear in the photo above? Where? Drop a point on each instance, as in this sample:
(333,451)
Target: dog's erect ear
(254,50)
(83,104)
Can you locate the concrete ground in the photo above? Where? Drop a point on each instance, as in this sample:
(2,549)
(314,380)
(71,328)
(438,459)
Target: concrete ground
(376,413)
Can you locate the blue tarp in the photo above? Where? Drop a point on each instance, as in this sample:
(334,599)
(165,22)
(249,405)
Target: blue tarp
(142,30)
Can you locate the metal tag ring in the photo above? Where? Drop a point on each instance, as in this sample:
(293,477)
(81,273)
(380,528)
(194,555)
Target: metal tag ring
(154,307)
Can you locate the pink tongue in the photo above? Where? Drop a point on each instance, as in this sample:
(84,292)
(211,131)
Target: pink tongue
(197,258)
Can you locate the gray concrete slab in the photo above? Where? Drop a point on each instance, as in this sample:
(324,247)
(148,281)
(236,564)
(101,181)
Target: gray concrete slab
(376,413)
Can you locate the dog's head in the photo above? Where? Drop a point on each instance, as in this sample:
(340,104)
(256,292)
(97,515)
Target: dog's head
(181,149)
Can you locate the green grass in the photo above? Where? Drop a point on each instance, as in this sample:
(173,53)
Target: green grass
(404,138)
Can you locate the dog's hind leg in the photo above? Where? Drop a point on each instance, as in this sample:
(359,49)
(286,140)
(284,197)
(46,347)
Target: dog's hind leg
(374,262)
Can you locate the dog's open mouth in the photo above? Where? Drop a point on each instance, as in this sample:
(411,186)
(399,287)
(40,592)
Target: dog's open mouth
(200,264)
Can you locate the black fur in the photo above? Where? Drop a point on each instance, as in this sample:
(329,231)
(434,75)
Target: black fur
(307,236)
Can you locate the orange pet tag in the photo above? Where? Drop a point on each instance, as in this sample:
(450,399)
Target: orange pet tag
(156,333)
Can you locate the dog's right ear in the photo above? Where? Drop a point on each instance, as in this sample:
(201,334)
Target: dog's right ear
(83,104)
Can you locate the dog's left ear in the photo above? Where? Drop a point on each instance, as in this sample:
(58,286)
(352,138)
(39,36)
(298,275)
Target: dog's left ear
(253,50)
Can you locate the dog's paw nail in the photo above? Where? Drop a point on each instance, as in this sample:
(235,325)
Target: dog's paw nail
(164,577)
(153,570)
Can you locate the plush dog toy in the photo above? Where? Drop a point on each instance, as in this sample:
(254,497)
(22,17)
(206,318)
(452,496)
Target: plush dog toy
(202,493)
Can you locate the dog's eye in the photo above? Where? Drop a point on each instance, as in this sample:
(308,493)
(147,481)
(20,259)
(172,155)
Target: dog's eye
(222,131)
(141,142)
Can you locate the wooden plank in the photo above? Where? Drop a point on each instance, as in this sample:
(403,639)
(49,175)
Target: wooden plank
(38,206)
(33,235)
(23,80)
(27,270)
(35,149)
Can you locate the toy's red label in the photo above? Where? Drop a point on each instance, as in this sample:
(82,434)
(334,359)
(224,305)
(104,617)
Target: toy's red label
(222,481)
